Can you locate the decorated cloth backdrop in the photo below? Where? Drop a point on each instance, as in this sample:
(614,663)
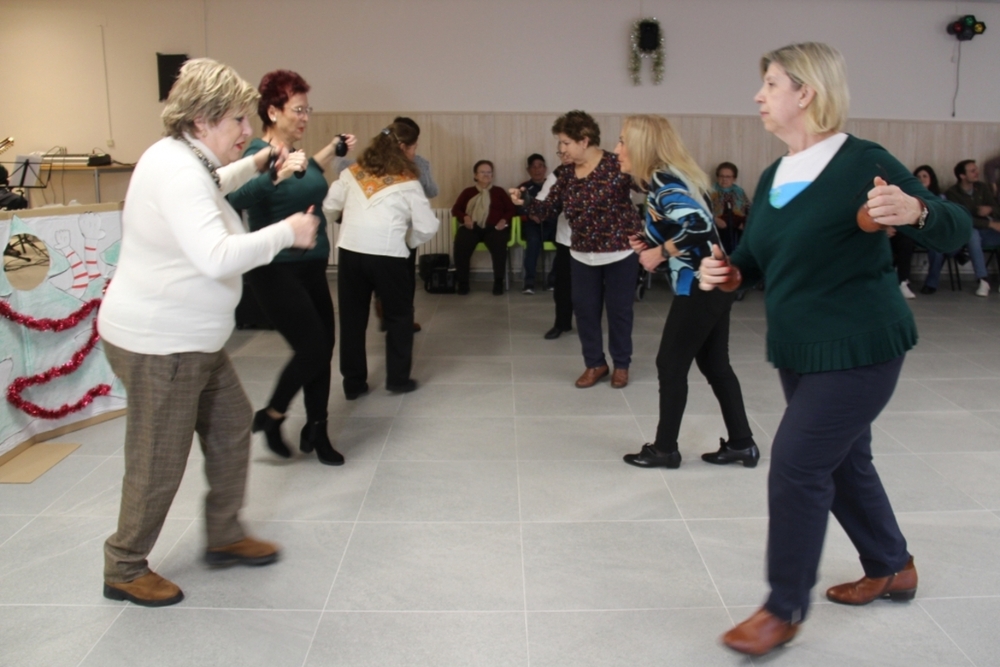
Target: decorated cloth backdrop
(53,372)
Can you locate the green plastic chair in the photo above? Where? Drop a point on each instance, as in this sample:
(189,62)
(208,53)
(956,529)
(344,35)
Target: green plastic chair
(515,232)
(547,246)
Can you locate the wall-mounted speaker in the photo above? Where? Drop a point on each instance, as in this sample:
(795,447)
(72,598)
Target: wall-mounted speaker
(168,67)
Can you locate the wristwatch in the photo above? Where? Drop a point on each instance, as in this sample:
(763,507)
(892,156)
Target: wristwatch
(664,252)
(922,220)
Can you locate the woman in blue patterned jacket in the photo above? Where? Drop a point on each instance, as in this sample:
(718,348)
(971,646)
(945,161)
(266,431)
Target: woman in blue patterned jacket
(679,229)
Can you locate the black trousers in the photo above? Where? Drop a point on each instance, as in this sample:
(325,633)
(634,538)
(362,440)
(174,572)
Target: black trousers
(465,244)
(296,297)
(563,293)
(358,276)
(821,462)
(697,329)
(902,251)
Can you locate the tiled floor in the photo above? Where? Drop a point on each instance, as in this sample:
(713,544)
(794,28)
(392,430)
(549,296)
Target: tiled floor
(487,519)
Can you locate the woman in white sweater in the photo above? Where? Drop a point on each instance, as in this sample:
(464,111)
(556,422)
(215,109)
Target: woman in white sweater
(166,316)
(385,214)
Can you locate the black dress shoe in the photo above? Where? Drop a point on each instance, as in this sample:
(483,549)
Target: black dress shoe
(353,395)
(497,288)
(928,290)
(650,457)
(463,288)
(403,387)
(726,454)
(554,333)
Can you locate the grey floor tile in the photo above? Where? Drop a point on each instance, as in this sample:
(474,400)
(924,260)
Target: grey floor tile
(35,497)
(264,343)
(376,403)
(307,491)
(969,394)
(11,524)
(991,416)
(976,473)
(180,637)
(97,494)
(918,396)
(706,491)
(970,623)
(359,438)
(644,399)
(51,636)
(647,638)
(442,491)
(431,567)
(455,439)
(893,635)
(567,345)
(462,370)
(424,639)
(566,400)
(104,439)
(941,432)
(557,369)
(955,552)
(60,560)
(466,345)
(576,438)
(614,565)
(300,580)
(448,400)
(943,367)
(913,486)
(591,491)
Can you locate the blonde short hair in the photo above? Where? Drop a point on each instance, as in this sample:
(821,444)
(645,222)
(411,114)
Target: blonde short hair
(822,68)
(208,90)
(653,145)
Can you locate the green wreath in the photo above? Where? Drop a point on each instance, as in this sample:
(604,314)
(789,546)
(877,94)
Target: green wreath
(647,41)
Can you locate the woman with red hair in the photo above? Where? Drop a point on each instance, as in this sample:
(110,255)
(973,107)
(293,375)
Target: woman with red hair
(293,290)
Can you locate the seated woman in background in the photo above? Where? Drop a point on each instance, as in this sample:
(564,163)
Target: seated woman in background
(925,174)
(484,212)
(292,289)
(902,245)
(385,214)
(730,205)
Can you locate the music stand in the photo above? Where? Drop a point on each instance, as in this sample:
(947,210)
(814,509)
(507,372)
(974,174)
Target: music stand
(27,172)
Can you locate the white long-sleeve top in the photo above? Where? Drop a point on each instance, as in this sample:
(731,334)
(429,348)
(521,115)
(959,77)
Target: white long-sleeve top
(389,222)
(183,252)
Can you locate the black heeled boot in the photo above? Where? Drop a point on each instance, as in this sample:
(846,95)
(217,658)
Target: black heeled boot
(272,432)
(748,455)
(314,436)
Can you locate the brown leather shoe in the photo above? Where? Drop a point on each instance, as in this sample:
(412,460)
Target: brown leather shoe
(591,376)
(897,587)
(416,327)
(149,590)
(248,551)
(619,378)
(760,634)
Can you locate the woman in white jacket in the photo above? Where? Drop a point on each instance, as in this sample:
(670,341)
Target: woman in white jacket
(385,214)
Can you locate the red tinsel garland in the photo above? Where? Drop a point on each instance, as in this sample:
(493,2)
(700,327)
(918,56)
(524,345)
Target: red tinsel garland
(22,383)
(46,324)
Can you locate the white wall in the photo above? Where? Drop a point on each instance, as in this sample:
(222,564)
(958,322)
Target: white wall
(473,55)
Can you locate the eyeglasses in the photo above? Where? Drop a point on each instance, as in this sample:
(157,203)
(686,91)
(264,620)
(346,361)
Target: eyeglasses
(301,111)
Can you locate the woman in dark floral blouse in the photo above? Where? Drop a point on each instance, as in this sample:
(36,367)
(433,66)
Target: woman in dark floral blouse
(595,196)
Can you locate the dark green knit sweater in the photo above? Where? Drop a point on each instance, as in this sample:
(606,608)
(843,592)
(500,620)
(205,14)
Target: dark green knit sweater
(832,297)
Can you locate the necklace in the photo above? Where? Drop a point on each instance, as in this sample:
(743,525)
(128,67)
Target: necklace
(205,161)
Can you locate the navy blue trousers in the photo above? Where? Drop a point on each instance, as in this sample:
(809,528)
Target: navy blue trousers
(821,462)
(611,287)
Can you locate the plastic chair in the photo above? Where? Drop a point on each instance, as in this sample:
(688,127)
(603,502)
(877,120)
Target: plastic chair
(515,231)
(547,246)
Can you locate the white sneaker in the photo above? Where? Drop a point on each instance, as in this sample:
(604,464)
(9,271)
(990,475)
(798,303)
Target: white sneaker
(983,289)
(904,287)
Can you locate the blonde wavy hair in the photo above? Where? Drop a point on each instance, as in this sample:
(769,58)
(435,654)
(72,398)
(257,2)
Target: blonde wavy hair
(208,90)
(822,68)
(653,145)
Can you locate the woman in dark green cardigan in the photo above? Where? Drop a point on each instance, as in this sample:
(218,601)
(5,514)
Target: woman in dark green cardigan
(838,329)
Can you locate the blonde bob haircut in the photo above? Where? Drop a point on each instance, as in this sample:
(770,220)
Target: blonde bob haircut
(822,68)
(653,145)
(208,90)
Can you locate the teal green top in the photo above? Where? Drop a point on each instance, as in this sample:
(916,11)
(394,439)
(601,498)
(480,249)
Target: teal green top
(267,203)
(831,293)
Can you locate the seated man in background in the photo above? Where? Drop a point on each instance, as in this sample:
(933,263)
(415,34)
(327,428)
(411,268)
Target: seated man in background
(534,231)
(978,199)
(10,200)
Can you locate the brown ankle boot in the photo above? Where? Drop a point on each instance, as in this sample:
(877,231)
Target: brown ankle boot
(149,590)
(897,587)
(248,551)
